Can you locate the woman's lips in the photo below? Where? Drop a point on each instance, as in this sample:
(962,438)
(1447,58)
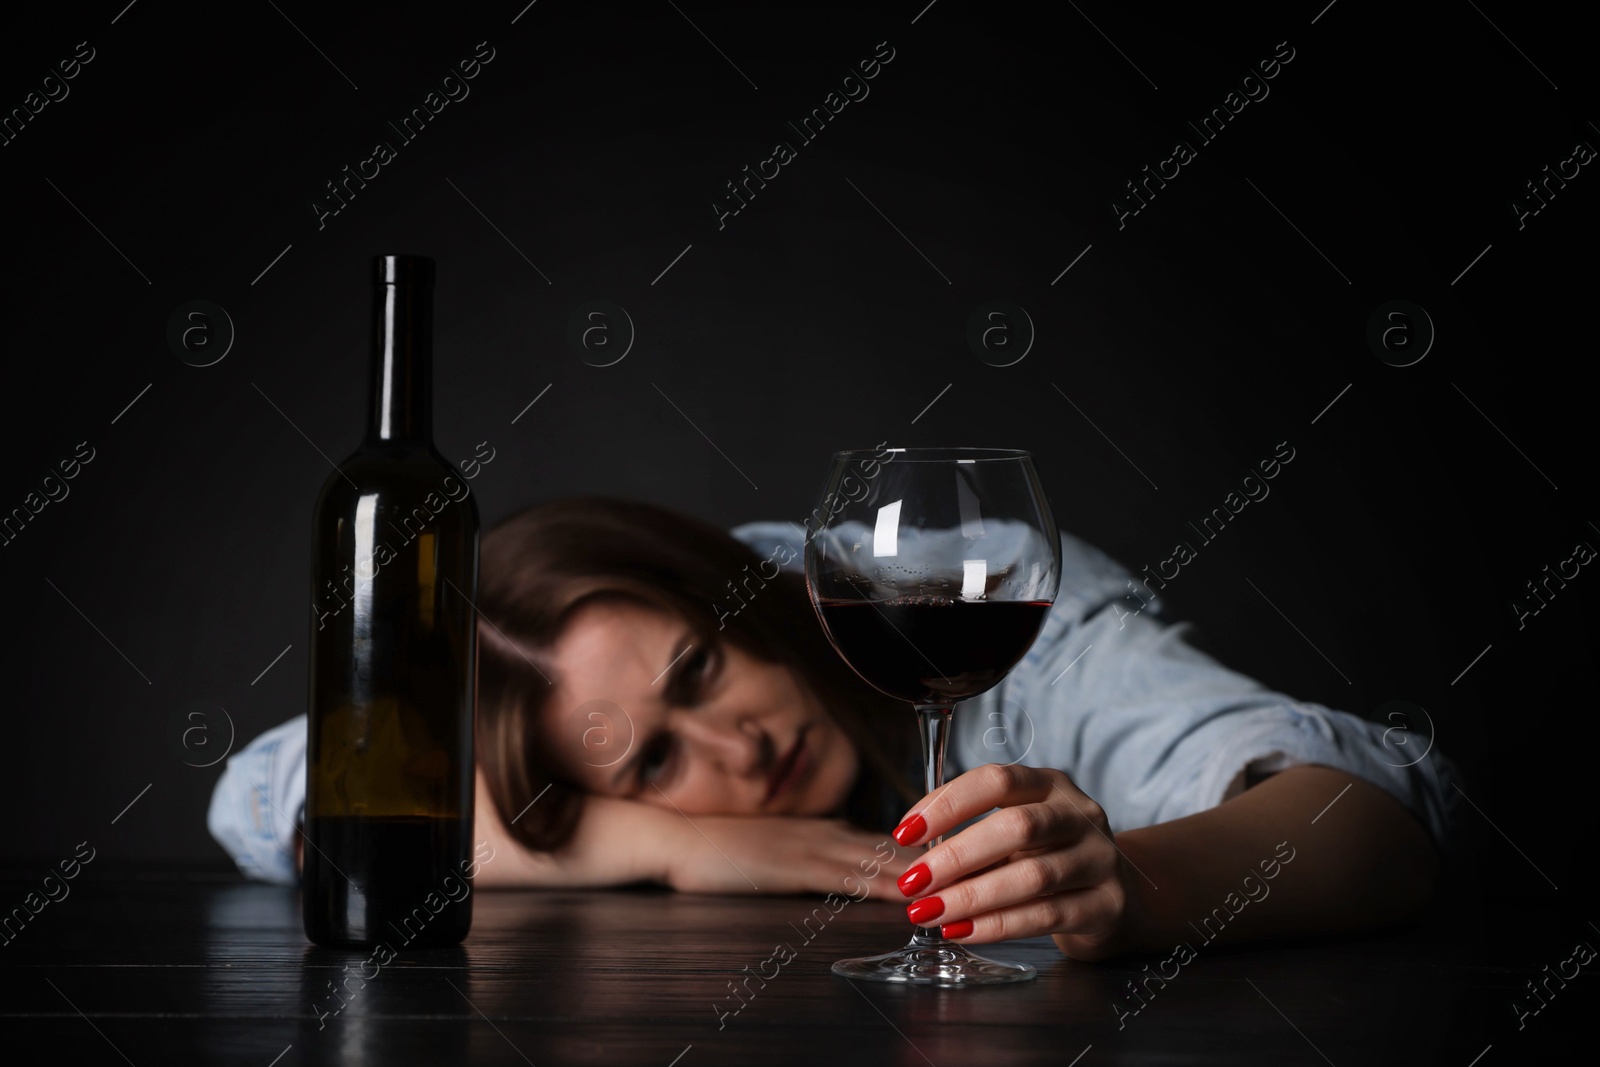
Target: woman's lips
(789,768)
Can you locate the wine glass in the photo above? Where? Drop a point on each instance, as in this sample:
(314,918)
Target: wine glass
(932,572)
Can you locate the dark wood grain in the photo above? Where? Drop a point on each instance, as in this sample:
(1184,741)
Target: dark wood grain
(215,970)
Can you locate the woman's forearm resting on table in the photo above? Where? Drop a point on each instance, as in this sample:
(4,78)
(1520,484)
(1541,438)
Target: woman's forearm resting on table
(619,842)
(1299,853)
(615,843)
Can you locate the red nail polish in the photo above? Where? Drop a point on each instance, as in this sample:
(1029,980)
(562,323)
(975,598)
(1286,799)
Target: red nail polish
(925,910)
(959,928)
(911,829)
(915,880)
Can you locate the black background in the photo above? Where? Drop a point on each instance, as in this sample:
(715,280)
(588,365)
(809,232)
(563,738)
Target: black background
(1196,337)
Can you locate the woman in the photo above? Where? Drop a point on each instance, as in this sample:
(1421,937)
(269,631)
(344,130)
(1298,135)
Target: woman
(632,726)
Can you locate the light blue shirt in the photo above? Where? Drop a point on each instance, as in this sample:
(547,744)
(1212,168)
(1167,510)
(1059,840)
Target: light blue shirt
(1111,693)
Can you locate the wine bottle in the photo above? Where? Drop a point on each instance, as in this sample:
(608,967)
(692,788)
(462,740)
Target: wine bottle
(389,771)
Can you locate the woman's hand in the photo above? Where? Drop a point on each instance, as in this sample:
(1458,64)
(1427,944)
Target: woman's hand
(777,854)
(1043,864)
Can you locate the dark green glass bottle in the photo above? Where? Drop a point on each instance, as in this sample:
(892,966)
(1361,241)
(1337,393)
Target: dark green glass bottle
(389,772)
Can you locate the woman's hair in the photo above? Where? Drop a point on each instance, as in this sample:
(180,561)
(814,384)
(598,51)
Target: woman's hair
(543,562)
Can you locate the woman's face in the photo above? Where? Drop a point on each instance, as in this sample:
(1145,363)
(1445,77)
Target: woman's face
(643,710)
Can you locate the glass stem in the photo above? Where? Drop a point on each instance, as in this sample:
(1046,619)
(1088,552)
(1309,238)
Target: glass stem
(933,722)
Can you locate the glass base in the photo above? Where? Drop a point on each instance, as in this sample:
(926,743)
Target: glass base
(935,962)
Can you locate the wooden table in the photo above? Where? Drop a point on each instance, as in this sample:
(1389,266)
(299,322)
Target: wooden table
(206,968)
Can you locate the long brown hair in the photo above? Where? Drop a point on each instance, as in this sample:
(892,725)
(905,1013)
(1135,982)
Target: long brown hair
(538,565)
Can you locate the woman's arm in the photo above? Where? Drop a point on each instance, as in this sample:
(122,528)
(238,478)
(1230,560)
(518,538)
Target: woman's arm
(1168,740)
(256,805)
(620,842)
(614,843)
(1299,853)
(1365,862)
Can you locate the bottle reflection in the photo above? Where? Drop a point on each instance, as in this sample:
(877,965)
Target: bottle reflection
(382,1006)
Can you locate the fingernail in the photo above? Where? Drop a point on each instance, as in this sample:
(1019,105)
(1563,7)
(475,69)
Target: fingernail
(911,829)
(925,911)
(915,880)
(959,928)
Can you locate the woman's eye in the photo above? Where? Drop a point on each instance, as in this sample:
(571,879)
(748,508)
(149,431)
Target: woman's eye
(696,670)
(655,757)
(697,663)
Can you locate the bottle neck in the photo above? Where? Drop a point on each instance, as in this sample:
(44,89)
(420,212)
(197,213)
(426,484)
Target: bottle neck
(401,408)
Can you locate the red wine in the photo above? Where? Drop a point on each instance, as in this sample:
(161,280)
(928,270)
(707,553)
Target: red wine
(414,909)
(389,772)
(931,649)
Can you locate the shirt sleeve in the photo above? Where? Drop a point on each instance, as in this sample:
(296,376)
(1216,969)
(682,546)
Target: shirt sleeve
(765,536)
(1154,729)
(259,803)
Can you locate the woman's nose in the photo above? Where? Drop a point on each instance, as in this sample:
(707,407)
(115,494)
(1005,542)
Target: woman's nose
(741,747)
